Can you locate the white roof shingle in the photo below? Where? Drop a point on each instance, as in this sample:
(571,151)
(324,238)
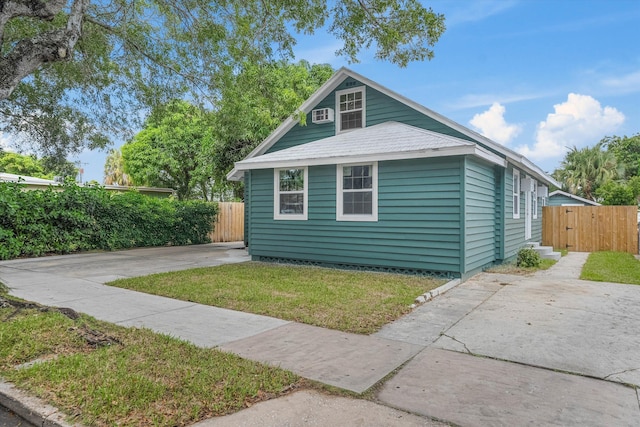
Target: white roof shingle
(385,141)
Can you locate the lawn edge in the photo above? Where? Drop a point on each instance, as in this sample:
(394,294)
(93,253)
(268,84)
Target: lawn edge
(31,408)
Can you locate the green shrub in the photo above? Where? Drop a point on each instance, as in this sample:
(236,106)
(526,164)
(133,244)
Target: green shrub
(34,223)
(528,257)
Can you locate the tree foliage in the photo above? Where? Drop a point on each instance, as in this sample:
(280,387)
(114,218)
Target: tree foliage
(608,172)
(191,149)
(114,169)
(627,152)
(30,165)
(39,222)
(254,102)
(73,72)
(170,150)
(583,171)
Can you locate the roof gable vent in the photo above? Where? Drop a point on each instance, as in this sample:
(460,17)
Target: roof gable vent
(322,115)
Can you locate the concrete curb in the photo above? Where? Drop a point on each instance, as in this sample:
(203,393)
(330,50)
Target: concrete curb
(30,408)
(428,296)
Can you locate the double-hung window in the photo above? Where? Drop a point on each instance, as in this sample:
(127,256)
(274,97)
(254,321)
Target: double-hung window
(516,194)
(357,192)
(290,193)
(350,107)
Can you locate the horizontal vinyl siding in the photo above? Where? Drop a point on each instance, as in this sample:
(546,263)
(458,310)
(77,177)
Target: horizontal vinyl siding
(514,228)
(418,219)
(379,108)
(479,215)
(561,199)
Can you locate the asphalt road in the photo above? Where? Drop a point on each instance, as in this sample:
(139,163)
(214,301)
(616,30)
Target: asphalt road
(9,419)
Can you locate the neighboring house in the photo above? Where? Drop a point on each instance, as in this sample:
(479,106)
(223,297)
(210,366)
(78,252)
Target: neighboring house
(561,198)
(33,183)
(376,181)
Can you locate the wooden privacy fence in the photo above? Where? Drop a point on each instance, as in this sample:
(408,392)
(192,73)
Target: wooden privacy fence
(229,224)
(591,228)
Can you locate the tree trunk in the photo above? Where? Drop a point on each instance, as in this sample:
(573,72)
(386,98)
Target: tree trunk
(30,54)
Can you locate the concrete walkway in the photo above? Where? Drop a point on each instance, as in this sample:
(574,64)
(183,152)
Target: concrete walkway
(456,352)
(546,323)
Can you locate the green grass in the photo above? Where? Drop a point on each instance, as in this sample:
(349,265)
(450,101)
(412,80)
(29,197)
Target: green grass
(512,268)
(349,301)
(143,379)
(617,267)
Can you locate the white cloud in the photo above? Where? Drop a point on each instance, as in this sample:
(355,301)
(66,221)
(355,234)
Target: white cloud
(580,121)
(629,83)
(492,124)
(461,13)
(5,142)
(324,54)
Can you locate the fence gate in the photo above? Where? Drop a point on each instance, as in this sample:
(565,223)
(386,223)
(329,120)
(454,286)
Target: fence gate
(591,228)
(229,224)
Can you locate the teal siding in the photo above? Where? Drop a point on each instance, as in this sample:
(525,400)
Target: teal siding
(379,108)
(418,223)
(480,219)
(499,212)
(514,228)
(247,206)
(561,199)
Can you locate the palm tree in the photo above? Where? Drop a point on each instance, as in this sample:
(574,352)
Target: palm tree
(584,170)
(114,169)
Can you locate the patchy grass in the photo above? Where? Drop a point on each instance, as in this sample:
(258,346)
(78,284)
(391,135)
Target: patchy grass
(142,378)
(349,301)
(563,252)
(512,268)
(617,267)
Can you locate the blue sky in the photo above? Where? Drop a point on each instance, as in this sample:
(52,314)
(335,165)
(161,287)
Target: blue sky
(535,75)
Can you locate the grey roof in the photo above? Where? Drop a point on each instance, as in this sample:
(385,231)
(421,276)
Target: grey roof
(24,179)
(573,196)
(343,73)
(385,141)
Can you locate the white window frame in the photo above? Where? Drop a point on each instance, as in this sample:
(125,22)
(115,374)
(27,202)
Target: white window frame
(534,199)
(340,216)
(338,113)
(516,194)
(276,196)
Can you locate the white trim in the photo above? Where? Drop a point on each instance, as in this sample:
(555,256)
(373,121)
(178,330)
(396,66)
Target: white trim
(403,155)
(276,196)
(534,199)
(340,216)
(515,193)
(340,75)
(573,196)
(338,119)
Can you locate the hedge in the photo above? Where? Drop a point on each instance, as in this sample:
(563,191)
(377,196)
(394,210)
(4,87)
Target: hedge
(38,222)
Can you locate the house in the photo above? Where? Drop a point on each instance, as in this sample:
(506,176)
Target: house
(33,183)
(376,181)
(561,198)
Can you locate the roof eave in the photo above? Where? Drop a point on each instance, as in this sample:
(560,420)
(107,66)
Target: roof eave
(403,155)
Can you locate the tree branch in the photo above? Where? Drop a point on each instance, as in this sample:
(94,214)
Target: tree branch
(51,46)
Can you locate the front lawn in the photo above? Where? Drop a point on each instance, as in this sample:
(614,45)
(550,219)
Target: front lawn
(106,375)
(350,301)
(616,267)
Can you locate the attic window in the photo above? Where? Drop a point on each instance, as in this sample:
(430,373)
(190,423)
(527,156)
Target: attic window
(350,105)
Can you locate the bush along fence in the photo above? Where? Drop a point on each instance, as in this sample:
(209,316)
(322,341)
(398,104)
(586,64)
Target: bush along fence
(39,222)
